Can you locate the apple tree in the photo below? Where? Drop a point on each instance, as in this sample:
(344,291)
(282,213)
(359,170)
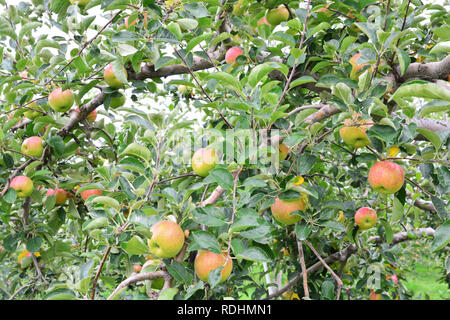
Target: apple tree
(187,149)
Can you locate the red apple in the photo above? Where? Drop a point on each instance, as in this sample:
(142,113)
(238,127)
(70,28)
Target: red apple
(22,185)
(111,79)
(167,239)
(232,54)
(60,195)
(137,268)
(375,296)
(61,101)
(386,177)
(206,261)
(33,146)
(91,116)
(91,192)
(203,161)
(366,218)
(282,209)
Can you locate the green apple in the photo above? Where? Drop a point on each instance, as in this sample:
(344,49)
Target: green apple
(203,161)
(167,239)
(117,101)
(111,79)
(355,137)
(277,15)
(61,101)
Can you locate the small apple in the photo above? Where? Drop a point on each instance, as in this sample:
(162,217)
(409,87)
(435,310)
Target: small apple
(117,101)
(284,150)
(232,54)
(111,79)
(375,296)
(91,116)
(206,261)
(137,268)
(366,218)
(61,101)
(32,114)
(282,209)
(22,185)
(60,195)
(386,177)
(355,137)
(167,239)
(203,161)
(33,146)
(277,15)
(91,192)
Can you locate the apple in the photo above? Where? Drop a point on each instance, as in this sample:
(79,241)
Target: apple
(91,116)
(32,114)
(61,101)
(167,239)
(282,209)
(33,146)
(22,185)
(284,150)
(277,15)
(206,261)
(203,161)
(386,177)
(137,268)
(366,218)
(232,54)
(60,195)
(118,101)
(355,137)
(375,296)
(91,192)
(111,79)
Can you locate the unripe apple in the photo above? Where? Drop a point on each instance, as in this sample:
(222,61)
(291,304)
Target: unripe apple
(91,116)
(203,161)
(91,192)
(365,218)
(282,209)
(232,54)
(32,114)
(111,79)
(375,296)
(81,3)
(386,177)
(22,185)
(116,102)
(60,195)
(167,239)
(277,15)
(61,101)
(355,137)
(33,146)
(284,150)
(206,261)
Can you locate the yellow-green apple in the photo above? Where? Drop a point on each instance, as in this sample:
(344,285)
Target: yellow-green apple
(355,137)
(375,296)
(33,146)
(61,101)
(152,265)
(366,218)
(117,101)
(203,161)
(91,192)
(386,177)
(22,185)
(277,15)
(91,116)
(111,79)
(232,54)
(167,239)
(282,209)
(60,195)
(284,150)
(206,261)
(80,2)
(32,114)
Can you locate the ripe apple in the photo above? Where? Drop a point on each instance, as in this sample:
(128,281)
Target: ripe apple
(33,146)
(167,239)
(91,116)
(206,261)
(111,79)
(117,102)
(282,209)
(386,177)
(284,150)
(137,268)
(203,161)
(375,296)
(277,15)
(22,185)
(61,101)
(81,3)
(232,54)
(366,218)
(60,195)
(91,192)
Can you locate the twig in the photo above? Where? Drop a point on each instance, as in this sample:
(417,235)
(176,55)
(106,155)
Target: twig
(303,265)
(105,255)
(138,277)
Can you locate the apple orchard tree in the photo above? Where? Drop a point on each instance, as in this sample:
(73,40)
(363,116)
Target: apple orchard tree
(319,130)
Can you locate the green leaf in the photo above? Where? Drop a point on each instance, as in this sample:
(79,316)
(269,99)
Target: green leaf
(10,196)
(107,201)
(179,272)
(302,231)
(260,71)
(223,177)
(404,59)
(119,71)
(301,80)
(168,294)
(136,150)
(197,40)
(343,92)
(441,236)
(34,244)
(254,254)
(440,208)
(441,47)
(204,240)
(431,136)
(226,79)
(336,226)
(397,210)
(136,246)
(305,162)
(422,89)
(389,234)
(209,216)
(57,143)
(434,106)
(214,276)
(96,223)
